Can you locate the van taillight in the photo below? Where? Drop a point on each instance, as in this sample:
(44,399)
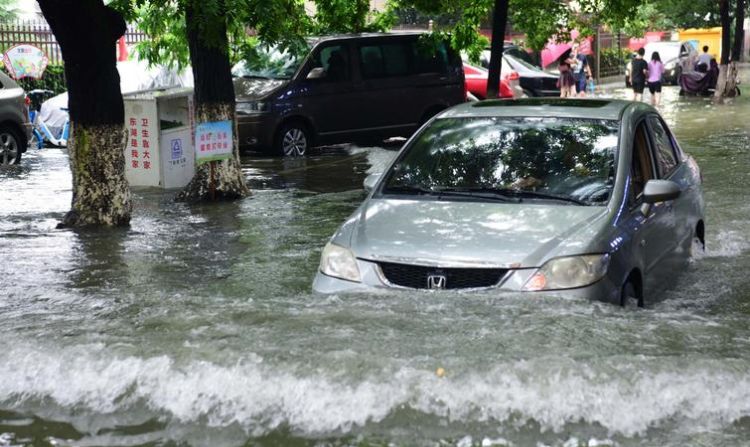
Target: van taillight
(26,100)
(513,76)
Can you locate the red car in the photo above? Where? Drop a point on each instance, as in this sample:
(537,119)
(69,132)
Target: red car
(476,82)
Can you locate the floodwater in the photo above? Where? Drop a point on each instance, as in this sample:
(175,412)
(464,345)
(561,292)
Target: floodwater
(197,326)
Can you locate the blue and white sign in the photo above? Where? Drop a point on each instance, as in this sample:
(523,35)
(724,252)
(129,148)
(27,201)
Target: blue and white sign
(213,141)
(176,149)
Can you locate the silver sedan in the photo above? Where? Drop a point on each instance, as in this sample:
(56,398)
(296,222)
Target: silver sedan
(592,198)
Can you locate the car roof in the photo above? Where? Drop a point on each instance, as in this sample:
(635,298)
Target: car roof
(328,37)
(608,109)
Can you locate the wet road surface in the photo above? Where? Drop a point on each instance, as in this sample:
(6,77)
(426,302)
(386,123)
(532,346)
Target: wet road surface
(197,326)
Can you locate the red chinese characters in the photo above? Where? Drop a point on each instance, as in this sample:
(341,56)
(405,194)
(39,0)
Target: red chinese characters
(139,132)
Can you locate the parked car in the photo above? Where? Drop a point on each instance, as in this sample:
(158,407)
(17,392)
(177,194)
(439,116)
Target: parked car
(345,88)
(476,83)
(15,130)
(587,198)
(533,80)
(677,57)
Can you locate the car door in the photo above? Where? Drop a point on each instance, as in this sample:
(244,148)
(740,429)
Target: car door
(681,215)
(392,93)
(652,228)
(328,95)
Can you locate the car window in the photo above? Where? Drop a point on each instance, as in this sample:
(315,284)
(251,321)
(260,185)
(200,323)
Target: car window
(384,60)
(334,61)
(571,158)
(430,58)
(642,169)
(665,154)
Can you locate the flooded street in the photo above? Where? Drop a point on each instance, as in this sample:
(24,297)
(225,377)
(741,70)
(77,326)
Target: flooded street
(197,325)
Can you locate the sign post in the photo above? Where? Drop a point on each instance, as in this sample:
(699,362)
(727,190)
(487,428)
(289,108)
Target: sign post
(213,142)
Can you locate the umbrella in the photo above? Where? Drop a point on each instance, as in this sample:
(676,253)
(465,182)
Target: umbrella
(553,51)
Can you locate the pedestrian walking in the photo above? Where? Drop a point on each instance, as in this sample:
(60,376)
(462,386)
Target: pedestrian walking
(566,83)
(655,73)
(638,72)
(581,70)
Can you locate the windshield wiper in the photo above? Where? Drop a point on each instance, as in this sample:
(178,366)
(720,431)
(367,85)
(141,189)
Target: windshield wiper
(545,196)
(256,77)
(408,189)
(482,193)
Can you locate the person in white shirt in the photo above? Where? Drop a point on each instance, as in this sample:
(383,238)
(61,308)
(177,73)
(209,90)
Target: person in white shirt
(704,58)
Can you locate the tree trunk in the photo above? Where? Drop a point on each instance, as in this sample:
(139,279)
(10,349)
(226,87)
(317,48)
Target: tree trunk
(214,100)
(87,32)
(499,21)
(726,42)
(739,30)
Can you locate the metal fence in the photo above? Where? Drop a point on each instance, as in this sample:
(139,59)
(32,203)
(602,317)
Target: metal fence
(40,35)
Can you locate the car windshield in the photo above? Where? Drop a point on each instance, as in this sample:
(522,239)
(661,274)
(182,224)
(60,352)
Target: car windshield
(561,159)
(271,63)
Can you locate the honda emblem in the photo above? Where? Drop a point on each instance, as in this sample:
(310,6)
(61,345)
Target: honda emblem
(436,282)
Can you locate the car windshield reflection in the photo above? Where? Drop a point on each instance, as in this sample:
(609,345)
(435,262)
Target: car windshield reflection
(557,160)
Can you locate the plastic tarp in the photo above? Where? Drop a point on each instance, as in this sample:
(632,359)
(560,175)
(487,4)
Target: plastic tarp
(134,76)
(698,83)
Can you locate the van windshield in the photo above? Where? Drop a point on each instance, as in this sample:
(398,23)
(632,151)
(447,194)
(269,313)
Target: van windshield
(271,62)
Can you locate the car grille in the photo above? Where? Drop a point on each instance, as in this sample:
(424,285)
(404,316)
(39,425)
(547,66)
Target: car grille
(418,277)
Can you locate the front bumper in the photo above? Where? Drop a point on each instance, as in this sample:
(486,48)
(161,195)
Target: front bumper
(373,279)
(256,131)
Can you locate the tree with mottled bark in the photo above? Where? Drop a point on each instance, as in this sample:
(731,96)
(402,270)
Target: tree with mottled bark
(726,87)
(213,98)
(87,31)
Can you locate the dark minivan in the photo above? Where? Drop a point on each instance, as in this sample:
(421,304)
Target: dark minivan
(347,88)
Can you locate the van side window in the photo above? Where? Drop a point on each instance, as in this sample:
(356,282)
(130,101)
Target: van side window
(642,167)
(384,60)
(335,63)
(431,60)
(665,155)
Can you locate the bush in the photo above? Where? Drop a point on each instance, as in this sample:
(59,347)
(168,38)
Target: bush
(613,61)
(53,79)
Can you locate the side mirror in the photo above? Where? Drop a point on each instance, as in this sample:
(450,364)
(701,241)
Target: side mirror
(660,191)
(317,73)
(371,180)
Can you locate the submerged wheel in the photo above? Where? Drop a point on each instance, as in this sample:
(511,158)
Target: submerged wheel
(10,147)
(629,295)
(293,140)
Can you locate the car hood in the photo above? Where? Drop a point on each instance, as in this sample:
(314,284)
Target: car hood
(249,89)
(472,233)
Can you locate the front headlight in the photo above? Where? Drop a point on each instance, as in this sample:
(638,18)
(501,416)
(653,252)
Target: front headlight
(252,107)
(339,262)
(670,65)
(569,273)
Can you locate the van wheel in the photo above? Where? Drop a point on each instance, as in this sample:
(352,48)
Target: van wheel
(292,140)
(10,147)
(629,295)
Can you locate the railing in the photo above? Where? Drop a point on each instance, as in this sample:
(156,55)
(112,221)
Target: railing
(40,35)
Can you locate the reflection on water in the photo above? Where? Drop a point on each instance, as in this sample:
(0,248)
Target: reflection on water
(197,325)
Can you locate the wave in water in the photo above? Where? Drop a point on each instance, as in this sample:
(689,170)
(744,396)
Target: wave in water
(624,395)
